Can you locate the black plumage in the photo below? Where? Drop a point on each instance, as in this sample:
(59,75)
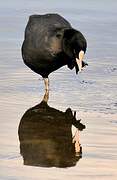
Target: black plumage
(46,137)
(50,42)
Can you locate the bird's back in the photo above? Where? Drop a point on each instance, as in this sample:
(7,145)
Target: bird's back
(43,34)
(43,41)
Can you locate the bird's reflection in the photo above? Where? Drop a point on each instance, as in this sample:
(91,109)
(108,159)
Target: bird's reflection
(46,138)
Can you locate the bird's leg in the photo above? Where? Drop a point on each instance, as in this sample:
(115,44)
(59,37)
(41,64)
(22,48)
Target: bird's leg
(46,82)
(46,96)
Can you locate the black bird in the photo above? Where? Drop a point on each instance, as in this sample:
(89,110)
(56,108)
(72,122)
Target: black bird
(50,42)
(46,137)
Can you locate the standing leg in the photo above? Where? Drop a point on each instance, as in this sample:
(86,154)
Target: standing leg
(46,95)
(46,82)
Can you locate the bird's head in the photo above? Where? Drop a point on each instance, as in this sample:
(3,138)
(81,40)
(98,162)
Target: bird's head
(74,46)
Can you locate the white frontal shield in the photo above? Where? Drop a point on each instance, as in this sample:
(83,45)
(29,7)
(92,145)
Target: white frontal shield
(79,61)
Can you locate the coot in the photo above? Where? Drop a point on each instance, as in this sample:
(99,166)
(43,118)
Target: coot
(50,42)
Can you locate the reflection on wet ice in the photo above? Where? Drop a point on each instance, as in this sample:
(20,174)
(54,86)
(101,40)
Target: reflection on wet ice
(46,137)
